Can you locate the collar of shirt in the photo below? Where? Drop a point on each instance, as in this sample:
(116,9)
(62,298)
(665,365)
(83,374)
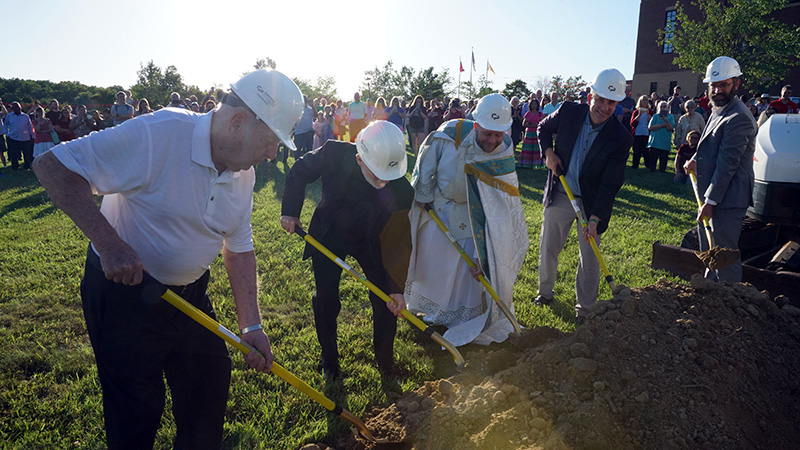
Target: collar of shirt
(201,144)
(583,143)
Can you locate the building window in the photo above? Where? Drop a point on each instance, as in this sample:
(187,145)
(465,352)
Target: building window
(653,87)
(672,85)
(669,30)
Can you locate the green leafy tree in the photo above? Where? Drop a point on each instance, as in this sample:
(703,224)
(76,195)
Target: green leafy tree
(517,88)
(765,48)
(483,87)
(570,86)
(323,86)
(67,92)
(429,84)
(263,63)
(156,84)
(387,82)
(467,90)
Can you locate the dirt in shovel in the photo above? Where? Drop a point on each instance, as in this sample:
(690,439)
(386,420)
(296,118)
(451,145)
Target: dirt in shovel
(718,257)
(668,366)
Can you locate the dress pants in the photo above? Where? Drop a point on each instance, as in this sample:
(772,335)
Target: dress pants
(558,219)
(326,304)
(639,151)
(726,224)
(20,148)
(139,340)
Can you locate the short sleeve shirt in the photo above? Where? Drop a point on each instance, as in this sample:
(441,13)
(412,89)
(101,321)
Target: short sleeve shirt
(162,193)
(358,110)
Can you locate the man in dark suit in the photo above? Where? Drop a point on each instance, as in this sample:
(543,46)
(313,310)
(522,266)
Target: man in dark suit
(724,163)
(591,149)
(363,213)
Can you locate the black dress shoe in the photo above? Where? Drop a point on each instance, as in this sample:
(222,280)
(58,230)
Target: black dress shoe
(330,372)
(541,300)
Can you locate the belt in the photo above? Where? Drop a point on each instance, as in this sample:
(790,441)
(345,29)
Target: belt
(94,260)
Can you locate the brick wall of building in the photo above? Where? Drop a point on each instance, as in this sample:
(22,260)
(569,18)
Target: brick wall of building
(654,66)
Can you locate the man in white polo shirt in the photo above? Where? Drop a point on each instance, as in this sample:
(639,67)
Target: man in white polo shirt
(178,188)
(358,116)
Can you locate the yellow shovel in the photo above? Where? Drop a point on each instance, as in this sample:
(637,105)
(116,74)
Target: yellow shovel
(471,264)
(216,328)
(609,278)
(715,257)
(459,360)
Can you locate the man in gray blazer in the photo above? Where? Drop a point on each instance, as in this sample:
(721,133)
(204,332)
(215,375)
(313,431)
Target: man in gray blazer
(724,163)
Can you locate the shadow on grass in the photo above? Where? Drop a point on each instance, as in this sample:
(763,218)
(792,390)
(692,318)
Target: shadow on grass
(28,193)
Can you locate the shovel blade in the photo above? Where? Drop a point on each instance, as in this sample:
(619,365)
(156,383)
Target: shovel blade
(718,257)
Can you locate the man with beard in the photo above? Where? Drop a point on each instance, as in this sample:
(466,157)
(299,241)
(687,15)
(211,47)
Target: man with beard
(466,174)
(724,163)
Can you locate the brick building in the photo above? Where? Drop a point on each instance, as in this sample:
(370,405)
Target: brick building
(653,69)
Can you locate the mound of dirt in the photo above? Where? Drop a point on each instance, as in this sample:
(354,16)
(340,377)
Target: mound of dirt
(711,365)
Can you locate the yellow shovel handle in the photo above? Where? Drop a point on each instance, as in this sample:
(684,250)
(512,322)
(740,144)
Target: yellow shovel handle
(608,277)
(459,360)
(706,223)
(217,328)
(471,264)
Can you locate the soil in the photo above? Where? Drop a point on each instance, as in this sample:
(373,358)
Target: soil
(668,366)
(717,257)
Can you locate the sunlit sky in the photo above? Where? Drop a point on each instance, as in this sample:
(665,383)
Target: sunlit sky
(102,43)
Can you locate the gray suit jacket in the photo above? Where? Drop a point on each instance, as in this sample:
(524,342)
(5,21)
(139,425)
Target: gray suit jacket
(725,157)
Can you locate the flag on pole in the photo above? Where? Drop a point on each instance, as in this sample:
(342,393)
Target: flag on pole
(473,60)
(489,67)
(460,66)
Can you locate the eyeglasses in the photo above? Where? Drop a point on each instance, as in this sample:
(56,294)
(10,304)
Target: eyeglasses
(720,85)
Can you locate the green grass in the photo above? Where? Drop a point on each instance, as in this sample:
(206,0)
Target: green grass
(49,393)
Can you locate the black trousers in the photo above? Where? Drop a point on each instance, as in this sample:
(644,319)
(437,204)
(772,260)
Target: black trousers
(303,142)
(138,341)
(639,151)
(326,305)
(20,148)
(659,156)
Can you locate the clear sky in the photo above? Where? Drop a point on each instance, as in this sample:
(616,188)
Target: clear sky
(102,43)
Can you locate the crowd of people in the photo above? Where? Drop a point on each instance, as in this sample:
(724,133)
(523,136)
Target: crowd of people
(167,226)
(25,138)
(659,123)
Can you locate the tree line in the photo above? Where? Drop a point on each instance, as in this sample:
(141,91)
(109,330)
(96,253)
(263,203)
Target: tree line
(156,84)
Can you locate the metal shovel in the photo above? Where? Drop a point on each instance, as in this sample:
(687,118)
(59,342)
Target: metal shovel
(471,264)
(216,328)
(715,257)
(582,219)
(459,360)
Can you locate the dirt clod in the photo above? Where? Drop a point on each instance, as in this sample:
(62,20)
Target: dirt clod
(717,257)
(710,366)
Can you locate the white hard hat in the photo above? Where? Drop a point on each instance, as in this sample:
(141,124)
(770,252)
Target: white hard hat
(721,69)
(382,147)
(275,100)
(610,84)
(493,113)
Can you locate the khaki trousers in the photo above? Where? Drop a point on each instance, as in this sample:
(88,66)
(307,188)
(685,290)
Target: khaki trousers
(558,219)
